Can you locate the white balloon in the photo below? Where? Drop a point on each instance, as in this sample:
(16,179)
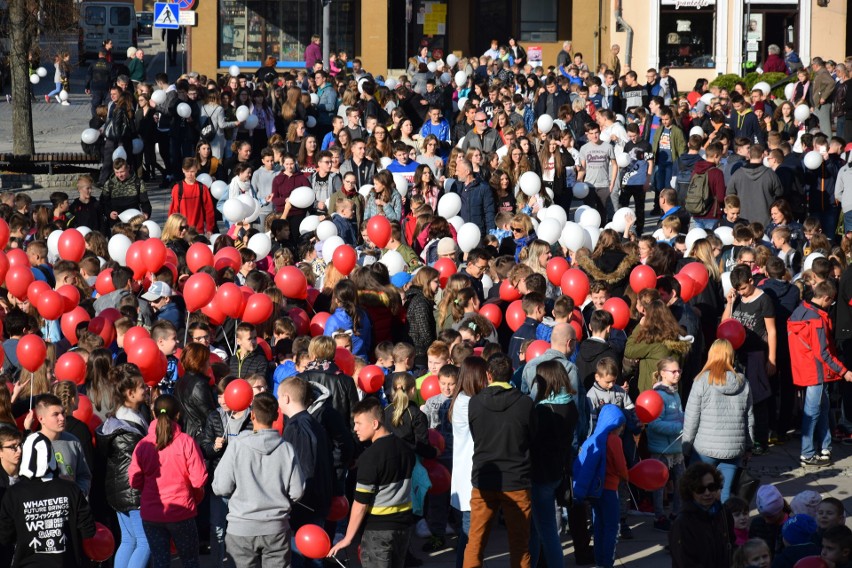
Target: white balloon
(366,189)
(590,218)
(254,214)
(204,179)
(706,98)
(34,79)
(813,160)
(619,219)
(260,244)
(310,122)
(219,189)
(809,260)
(448,184)
(457,222)
(696,131)
(446,78)
(726,283)
(468,237)
(247,200)
(128,214)
(361,85)
(460,78)
(578,212)
(117,247)
(452,59)
(252,122)
(53,243)
(326,230)
(545,123)
(138,145)
(394,262)
(802,113)
(592,236)
(789,91)
(449,205)
(234,70)
(329,246)
(572,236)
(41,72)
(234,210)
(90,135)
(622,159)
(694,235)
(462,101)
(158,97)
(184,110)
(763,86)
(557,212)
(401,184)
(535,223)
(530,182)
(549,230)
(119,153)
(309,224)
(63,95)
(84,230)
(314,99)
(385,162)
(391,83)
(431,66)
(725,234)
(242,113)
(581,190)
(153,227)
(487,284)
(302,197)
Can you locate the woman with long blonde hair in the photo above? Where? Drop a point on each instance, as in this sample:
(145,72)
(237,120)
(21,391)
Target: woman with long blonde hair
(455,284)
(174,234)
(404,418)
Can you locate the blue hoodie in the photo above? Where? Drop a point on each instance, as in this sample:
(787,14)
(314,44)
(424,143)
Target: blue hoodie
(664,432)
(340,321)
(590,464)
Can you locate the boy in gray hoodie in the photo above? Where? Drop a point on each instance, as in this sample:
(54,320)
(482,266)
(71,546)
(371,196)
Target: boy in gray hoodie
(259,511)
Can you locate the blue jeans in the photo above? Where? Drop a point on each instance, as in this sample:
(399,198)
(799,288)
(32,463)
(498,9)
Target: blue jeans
(847,221)
(706,224)
(218,528)
(726,467)
(675,473)
(55,91)
(133,551)
(462,543)
(185,536)
(815,420)
(543,530)
(605,519)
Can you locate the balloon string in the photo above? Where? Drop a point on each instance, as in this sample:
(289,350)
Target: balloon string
(236,325)
(342,565)
(32,378)
(186,329)
(225,336)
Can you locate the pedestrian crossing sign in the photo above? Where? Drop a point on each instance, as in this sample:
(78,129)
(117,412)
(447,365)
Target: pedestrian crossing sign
(166,16)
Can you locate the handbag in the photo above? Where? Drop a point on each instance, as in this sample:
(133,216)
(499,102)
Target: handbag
(565,491)
(744,484)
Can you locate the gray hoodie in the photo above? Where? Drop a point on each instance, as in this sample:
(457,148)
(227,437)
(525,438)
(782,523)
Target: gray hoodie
(260,474)
(757,187)
(718,421)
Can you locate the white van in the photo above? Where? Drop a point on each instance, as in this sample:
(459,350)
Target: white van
(100,21)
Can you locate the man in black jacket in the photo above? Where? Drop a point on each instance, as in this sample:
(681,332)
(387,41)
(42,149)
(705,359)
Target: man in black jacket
(323,371)
(86,210)
(550,101)
(98,81)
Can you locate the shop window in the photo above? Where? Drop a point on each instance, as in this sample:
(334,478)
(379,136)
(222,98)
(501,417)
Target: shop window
(687,37)
(538,20)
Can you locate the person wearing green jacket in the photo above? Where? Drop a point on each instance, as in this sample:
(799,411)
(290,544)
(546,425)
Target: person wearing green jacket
(657,336)
(138,68)
(668,145)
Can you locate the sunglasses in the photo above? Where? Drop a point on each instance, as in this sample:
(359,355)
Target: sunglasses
(712,488)
(184,227)
(517,230)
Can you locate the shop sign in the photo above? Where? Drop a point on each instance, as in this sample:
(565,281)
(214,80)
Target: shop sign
(678,4)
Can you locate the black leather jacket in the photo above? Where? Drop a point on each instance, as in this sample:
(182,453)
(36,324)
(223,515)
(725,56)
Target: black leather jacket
(116,441)
(214,428)
(344,396)
(196,401)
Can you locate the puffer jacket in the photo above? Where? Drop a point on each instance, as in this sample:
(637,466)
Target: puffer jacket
(214,428)
(664,432)
(718,421)
(421,323)
(813,355)
(361,341)
(344,395)
(612,267)
(196,402)
(649,354)
(116,441)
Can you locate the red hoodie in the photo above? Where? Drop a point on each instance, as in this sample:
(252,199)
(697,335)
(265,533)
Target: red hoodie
(194,202)
(716,180)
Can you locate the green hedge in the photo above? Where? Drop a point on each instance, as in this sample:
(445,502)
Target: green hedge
(728,81)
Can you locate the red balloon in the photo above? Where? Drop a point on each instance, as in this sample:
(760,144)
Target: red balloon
(135,259)
(171,258)
(339,509)
(556,267)
(198,256)
(302,320)
(50,305)
(238,395)
(18,280)
(318,323)
(101,546)
(227,256)
(93,424)
(84,408)
(4,234)
(436,440)
(515,315)
(492,313)
(535,349)
(259,309)
(345,361)
(70,297)
(733,331)
(4,265)
(228,298)
(446,268)
(292,282)
(155,254)
(311,540)
(17,257)
(508,293)
(649,406)
(642,277)
(440,477)
(36,289)
(264,346)
(213,313)
(173,269)
(133,334)
(575,284)
(688,286)
(71,367)
(430,387)
(111,315)
(69,322)
(103,327)
(344,259)
(313,294)
(811,562)
(649,475)
(31,352)
(198,291)
(698,272)
(145,354)
(371,378)
(379,231)
(620,312)
(154,371)
(71,245)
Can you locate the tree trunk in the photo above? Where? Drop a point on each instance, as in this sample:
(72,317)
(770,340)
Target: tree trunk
(20,26)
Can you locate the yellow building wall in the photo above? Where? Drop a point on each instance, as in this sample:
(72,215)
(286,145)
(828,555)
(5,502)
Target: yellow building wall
(828,32)
(374,35)
(203,39)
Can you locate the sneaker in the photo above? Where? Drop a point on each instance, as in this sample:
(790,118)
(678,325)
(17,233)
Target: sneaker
(812,461)
(46,98)
(625,533)
(422,529)
(824,456)
(57,99)
(662,524)
(759,450)
(434,544)
(65,103)
(9,99)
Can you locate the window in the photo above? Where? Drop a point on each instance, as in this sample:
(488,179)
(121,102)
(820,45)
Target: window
(119,16)
(95,15)
(538,20)
(687,35)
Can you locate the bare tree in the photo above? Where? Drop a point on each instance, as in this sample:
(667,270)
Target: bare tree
(21,28)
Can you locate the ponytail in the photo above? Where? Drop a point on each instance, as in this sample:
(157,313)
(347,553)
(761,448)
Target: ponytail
(66,391)
(401,385)
(661,364)
(166,410)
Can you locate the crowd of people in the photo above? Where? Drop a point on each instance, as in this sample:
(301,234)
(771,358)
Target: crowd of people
(389,265)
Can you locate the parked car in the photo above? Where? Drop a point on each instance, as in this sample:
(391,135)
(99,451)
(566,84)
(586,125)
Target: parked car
(145,23)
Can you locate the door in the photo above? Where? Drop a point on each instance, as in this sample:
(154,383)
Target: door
(120,29)
(94,27)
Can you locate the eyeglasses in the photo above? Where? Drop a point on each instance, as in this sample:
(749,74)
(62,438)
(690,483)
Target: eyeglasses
(201,338)
(184,227)
(712,488)
(517,230)
(13,447)
(479,120)
(673,371)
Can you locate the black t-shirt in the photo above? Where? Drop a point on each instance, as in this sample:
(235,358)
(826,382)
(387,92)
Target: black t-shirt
(752,315)
(384,483)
